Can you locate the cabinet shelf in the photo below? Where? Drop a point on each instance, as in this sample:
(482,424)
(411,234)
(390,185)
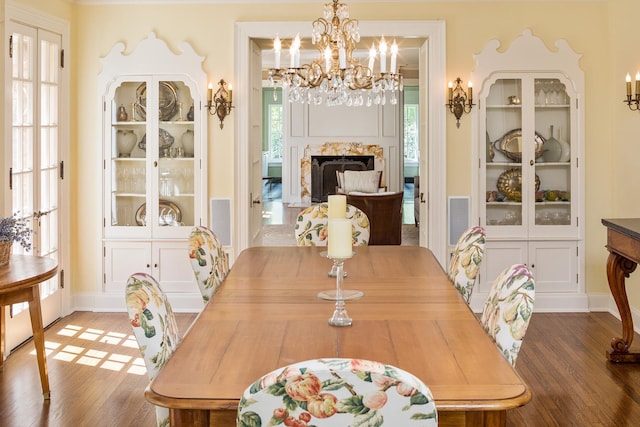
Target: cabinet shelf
(129,123)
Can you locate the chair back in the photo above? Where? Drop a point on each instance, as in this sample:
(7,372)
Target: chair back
(154,326)
(311,226)
(508,309)
(338,392)
(384,211)
(465,260)
(209,261)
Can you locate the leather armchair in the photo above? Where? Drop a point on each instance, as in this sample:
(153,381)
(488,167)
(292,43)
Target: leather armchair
(385,215)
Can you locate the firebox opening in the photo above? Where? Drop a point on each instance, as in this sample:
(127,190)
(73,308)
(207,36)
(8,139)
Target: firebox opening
(323,172)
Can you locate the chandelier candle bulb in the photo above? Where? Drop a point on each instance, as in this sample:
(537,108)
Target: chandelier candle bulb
(383,55)
(209,94)
(343,58)
(394,53)
(470,92)
(372,57)
(327,59)
(277,47)
(628,79)
(450,90)
(637,84)
(337,206)
(231,93)
(340,243)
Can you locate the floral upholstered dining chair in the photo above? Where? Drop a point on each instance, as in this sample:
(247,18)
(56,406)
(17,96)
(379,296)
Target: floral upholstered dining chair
(465,260)
(154,326)
(311,226)
(508,309)
(209,261)
(337,392)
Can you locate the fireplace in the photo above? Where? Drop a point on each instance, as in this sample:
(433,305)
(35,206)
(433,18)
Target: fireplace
(353,151)
(323,172)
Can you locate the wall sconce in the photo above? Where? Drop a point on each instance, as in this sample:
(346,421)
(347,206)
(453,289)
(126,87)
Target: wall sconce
(633,103)
(459,101)
(220,103)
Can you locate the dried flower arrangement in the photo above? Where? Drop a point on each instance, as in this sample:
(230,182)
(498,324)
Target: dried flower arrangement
(15,229)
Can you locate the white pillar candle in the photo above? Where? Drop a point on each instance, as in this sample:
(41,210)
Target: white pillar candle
(340,240)
(342,57)
(337,206)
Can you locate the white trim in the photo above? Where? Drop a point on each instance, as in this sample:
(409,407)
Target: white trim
(112,302)
(434,145)
(545,303)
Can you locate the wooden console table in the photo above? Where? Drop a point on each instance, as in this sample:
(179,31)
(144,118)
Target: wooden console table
(19,282)
(623,243)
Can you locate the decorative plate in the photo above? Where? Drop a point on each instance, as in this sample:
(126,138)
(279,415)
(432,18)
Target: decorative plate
(511,145)
(510,184)
(167,102)
(169,213)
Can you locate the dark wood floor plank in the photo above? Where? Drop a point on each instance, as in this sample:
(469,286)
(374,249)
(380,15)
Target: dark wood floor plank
(562,360)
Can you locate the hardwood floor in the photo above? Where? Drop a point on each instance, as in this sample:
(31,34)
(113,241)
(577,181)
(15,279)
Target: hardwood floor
(98,379)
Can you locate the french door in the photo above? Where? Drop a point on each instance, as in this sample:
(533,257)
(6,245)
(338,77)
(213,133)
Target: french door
(35,174)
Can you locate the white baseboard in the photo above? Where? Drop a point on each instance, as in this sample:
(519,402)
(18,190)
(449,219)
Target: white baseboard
(545,303)
(105,302)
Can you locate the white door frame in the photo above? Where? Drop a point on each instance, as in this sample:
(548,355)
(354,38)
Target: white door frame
(434,114)
(15,12)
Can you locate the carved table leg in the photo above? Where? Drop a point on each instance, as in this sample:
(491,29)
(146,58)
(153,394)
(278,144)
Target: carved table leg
(618,268)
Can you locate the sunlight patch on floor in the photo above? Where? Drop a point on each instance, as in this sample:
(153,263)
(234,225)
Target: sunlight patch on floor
(99,358)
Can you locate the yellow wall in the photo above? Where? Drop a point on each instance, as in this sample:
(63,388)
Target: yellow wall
(592,28)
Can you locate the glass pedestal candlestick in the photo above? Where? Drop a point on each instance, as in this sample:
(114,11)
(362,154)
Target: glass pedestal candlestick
(340,316)
(332,294)
(334,270)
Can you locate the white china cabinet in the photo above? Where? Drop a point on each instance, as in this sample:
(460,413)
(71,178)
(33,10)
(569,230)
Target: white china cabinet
(528,140)
(154,180)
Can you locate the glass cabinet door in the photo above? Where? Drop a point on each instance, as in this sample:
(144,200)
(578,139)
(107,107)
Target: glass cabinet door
(504,150)
(128,160)
(174,173)
(553,165)
(152,156)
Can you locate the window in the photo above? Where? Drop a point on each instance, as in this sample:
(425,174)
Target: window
(411,134)
(276,126)
(273,125)
(411,125)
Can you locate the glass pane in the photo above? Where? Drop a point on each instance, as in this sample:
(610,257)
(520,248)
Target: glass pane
(553,166)
(411,132)
(128,157)
(175,151)
(504,153)
(276,128)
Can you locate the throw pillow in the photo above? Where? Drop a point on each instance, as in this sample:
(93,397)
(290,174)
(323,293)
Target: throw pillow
(363,181)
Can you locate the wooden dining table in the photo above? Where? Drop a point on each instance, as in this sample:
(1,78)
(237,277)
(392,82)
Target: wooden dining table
(267,315)
(19,282)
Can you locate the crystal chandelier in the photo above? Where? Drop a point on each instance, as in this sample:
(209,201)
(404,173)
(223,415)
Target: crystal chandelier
(336,78)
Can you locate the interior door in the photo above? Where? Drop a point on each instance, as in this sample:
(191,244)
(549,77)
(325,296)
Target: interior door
(35,183)
(423,195)
(255,143)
